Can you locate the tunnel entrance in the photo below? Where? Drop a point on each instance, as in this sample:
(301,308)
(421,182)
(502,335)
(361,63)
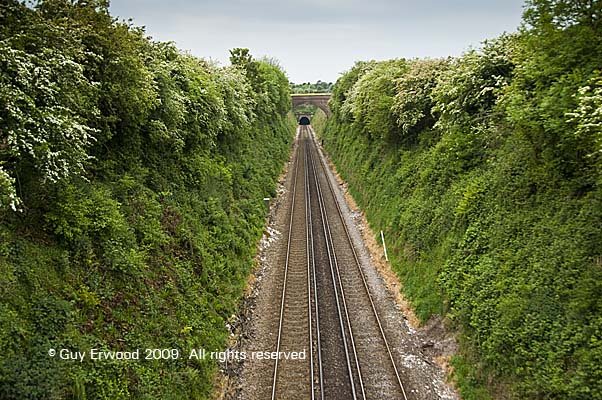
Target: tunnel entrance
(304,121)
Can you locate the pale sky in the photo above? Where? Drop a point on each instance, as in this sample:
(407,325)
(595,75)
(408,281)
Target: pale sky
(320,39)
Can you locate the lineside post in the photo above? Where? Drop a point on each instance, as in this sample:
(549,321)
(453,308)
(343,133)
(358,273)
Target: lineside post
(382,236)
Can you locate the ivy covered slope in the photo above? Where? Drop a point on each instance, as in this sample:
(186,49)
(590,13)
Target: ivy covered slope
(485,173)
(131,186)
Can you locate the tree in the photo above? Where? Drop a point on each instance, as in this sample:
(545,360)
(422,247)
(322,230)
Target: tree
(563,13)
(240,57)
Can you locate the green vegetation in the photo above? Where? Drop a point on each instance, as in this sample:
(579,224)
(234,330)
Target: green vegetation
(306,109)
(485,172)
(318,87)
(318,120)
(131,186)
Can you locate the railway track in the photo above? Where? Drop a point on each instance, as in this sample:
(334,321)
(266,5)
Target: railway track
(326,309)
(292,377)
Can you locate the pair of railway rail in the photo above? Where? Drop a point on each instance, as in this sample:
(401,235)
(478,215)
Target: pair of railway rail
(314,280)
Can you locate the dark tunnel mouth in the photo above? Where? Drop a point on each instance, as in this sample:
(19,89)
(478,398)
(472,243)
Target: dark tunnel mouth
(303,121)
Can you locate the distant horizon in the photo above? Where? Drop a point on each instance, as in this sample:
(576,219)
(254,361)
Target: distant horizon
(317,40)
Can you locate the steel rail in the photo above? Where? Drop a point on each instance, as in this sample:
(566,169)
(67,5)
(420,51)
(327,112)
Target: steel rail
(334,267)
(286,266)
(310,256)
(358,265)
(315,287)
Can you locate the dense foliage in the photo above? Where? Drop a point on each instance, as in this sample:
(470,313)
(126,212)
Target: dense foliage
(308,87)
(131,186)
(485,174)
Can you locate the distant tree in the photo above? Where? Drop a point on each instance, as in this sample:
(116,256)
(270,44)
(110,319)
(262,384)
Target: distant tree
(308,87)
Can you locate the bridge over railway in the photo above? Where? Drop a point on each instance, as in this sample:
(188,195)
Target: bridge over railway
(319,100)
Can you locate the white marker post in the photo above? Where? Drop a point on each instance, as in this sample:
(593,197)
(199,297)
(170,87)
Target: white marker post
(382,236)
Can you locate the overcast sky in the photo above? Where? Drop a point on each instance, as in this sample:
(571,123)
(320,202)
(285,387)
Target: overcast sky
(319,39)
